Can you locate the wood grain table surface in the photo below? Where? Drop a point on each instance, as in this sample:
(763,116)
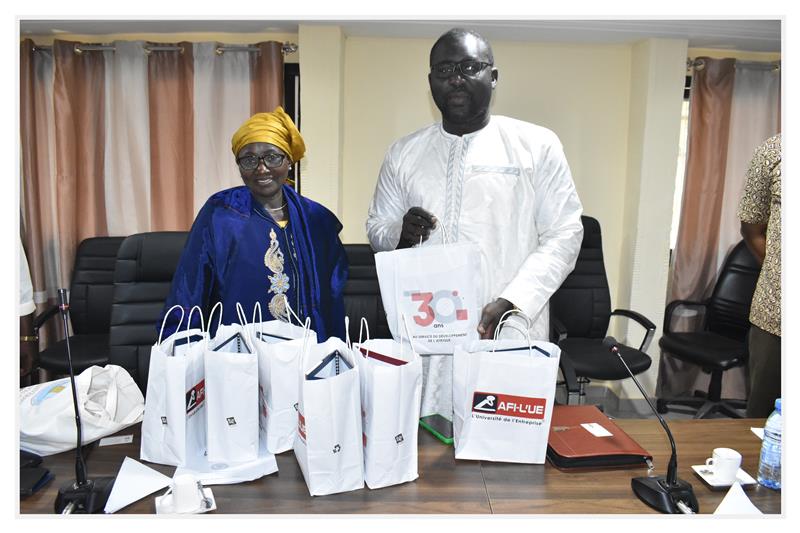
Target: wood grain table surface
(449,486)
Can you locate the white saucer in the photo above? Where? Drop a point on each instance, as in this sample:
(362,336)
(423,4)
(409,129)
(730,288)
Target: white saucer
(164,503)
(705,473)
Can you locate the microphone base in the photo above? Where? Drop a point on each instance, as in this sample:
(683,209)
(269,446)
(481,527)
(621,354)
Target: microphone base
(658,494)
(90,498)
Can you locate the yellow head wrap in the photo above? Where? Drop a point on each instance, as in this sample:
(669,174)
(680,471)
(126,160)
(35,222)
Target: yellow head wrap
(275,128)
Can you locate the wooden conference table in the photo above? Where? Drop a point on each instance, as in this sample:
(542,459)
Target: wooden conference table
(448,486)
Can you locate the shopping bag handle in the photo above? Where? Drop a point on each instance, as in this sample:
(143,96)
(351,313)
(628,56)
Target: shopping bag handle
(445,235)
(290,312)
(504,320)
(211,314)
(408,337)
(304,353)
(189,323)
(241,314)
(166,315)
(361,327)
(257,307)
(243,322)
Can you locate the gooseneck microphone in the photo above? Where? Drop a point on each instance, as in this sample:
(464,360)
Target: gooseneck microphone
(666,494)
(84,495)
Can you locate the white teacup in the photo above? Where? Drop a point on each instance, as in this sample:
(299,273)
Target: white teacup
(186,494)
(724,462)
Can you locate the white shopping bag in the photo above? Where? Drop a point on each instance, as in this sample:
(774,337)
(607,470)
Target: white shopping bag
(278,345)
(328,445)
(232,393)
(503,392)
(108,401)
(174,425)
(391,388)
(438,287)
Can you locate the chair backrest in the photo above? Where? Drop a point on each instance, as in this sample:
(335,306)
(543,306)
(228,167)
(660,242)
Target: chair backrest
(583,302)
(728,311)
(146,263)
(92,284)
(362,295)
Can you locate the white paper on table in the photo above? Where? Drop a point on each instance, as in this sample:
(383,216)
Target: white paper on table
(759,432)
(224,474)
(736,502)
(134,482)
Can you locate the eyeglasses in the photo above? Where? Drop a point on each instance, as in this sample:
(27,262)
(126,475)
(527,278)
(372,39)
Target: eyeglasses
(470,69)
(271,160)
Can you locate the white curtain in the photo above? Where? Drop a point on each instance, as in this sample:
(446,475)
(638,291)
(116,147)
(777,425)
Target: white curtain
(127,146)
(754,118)
(222,103)
(46,162)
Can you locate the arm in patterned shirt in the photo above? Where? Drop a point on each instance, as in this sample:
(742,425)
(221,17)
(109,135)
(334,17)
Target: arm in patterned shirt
(754,207)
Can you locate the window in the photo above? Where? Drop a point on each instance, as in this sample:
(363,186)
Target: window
(681,167)
(291,104)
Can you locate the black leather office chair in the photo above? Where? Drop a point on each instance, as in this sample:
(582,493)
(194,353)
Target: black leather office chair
(362,295)
(580,311)
(89,309)
(721,344)
(146,263)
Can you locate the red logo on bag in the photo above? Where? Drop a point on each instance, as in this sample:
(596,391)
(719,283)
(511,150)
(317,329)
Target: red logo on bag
(431,311)
(301,425)
(508,405)
(195,396)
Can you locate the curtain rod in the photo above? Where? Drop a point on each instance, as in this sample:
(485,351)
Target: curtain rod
(699,64)
(286,48)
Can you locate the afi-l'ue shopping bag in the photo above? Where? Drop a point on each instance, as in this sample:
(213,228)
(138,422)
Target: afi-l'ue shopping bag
(391,389)
(503,392)
(232,393)
(328,445)
(174,424)
(279,347)
(438,288)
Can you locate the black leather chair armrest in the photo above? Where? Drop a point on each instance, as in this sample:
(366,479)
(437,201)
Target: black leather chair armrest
(642,321)
(558,331)
(41,319)
(568,371)
(672,306)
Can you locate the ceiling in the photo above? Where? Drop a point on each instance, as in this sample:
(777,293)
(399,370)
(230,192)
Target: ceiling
(762,35)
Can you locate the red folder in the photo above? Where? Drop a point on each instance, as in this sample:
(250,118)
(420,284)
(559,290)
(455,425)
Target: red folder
(372,354)
(571,445)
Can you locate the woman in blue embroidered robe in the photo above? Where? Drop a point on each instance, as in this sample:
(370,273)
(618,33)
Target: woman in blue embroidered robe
(263,242)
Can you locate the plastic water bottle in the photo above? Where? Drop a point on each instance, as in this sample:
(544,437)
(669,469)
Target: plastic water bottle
(769,466)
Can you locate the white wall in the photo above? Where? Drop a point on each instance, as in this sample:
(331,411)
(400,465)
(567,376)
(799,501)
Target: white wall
(658,70)
(386,96)
(321,76)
